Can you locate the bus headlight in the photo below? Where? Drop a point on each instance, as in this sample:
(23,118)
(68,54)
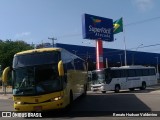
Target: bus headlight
(57,98)
(18,102)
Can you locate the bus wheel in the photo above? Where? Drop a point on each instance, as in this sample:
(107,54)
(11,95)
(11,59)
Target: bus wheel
(131,89)
(71,98)
(117,88)
(103,91)
(143,86)
(85,91)
(68,107)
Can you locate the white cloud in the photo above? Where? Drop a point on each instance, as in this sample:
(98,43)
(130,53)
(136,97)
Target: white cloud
(144,5)
(23,34)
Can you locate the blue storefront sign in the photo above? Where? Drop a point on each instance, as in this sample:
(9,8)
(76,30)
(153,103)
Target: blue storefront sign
(94,27)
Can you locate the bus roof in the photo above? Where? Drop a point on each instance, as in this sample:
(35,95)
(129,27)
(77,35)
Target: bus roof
(127,67)
(66,55)
(132,67)
(38,50)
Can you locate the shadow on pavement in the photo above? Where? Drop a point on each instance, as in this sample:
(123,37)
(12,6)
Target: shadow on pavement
(101,105)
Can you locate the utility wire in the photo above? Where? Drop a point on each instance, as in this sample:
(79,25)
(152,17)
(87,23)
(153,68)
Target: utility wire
(129,24)
(143,21)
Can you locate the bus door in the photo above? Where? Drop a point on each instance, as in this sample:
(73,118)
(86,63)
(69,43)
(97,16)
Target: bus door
(123,79)
(108,78)
(118,77)
(132,80)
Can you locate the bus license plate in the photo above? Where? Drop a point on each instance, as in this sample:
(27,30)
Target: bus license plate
(38,108)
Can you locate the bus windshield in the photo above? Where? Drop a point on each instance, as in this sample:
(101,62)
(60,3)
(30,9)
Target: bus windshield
(101,76)
(36,80)
(98,77)
(36,59)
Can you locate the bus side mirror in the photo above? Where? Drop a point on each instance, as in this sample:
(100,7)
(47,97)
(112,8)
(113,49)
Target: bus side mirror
(60,68)
(5,74)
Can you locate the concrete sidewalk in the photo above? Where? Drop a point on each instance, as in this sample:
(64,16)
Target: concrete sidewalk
(5,96)
(8,94)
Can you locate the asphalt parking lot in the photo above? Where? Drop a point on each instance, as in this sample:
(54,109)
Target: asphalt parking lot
(97,105)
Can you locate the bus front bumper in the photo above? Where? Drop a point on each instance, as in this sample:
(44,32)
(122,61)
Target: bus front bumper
(97,88)
(40,106)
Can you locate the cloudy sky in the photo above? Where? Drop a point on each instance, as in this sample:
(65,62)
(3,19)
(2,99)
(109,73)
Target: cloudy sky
(35,20)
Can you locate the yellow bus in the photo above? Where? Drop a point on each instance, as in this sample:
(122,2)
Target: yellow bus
(47,78)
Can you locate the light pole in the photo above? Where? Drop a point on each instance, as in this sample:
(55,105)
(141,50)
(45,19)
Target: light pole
(134,53)
(157,64)
(53,39)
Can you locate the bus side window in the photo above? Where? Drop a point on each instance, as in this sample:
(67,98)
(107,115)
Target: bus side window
(79,64)
(116,73)
(70,65)
(145,72)
(131,73)
(152,72)
(138,72)
(123,73)
(64,79)
(112,74)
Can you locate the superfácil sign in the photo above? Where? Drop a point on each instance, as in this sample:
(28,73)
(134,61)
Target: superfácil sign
(95,27)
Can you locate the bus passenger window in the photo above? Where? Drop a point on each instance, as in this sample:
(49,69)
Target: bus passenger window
(116,74)
(108,78)
(131,73)
(145,72)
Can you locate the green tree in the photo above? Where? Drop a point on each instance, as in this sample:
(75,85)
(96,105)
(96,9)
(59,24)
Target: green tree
(9,48)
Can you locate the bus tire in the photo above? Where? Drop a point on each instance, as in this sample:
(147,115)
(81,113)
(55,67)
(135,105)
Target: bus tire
(71,98)
(103,91)
(143,86)
(85,91)
(131,89)
(117,88)
(70,102)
